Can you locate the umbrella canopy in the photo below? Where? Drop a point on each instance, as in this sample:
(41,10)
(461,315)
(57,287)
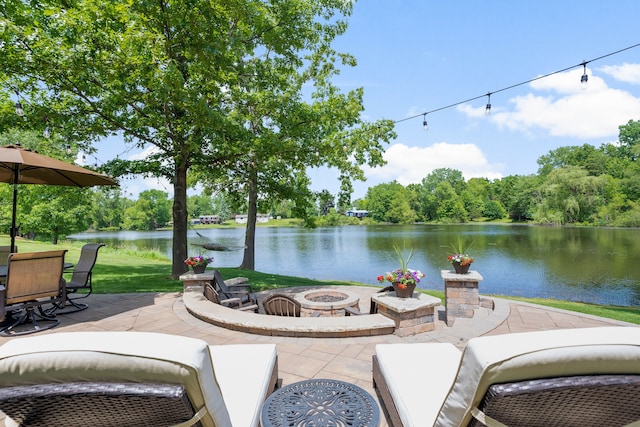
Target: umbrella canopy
(22,166)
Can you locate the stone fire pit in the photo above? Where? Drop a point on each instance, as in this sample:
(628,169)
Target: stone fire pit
(327,302)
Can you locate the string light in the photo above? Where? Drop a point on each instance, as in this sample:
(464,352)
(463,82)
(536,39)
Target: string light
(583,80)
(19,109)
(47,132)
(487,109)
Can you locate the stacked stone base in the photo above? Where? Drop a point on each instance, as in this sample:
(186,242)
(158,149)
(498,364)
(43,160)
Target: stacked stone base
(461,294)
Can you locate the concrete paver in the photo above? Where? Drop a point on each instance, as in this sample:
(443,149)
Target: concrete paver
(346,359)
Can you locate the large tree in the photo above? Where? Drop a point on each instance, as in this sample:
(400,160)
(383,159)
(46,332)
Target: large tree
(288,116)
(203,83)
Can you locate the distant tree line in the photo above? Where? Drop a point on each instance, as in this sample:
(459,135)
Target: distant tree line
(574,185)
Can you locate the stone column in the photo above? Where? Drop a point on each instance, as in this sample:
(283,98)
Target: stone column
(461,294)
(190,279)
(412,316)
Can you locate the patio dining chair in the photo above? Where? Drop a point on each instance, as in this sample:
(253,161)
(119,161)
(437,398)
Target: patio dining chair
(81,280)
(4,259)
(4,254)
(34,279)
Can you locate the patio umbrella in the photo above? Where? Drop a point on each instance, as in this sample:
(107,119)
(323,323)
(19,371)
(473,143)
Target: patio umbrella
(22,166)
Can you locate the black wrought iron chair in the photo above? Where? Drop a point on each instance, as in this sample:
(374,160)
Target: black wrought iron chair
(81,280)
(33,279)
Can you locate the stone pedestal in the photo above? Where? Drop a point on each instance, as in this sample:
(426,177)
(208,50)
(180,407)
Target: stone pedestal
(461,294)
(192,279)
(412,315)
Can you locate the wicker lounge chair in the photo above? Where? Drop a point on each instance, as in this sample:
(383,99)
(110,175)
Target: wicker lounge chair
(34,279)
(212,295)
(576,377)
(233,289)
(134,378)
(81,279)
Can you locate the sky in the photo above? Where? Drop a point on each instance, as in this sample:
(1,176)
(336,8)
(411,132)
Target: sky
(417,56)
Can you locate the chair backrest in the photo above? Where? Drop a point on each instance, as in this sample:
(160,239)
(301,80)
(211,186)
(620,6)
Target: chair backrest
(599,400)
(33,275)
(82,272)
(84,359)
(211,294)
(579,358)
(281,305)
(4,254)
(222,288)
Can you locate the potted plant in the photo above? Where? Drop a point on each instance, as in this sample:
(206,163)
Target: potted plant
(198,263)
(460,259)
(403,279)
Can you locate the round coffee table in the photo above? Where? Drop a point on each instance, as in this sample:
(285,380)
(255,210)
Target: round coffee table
(318,402)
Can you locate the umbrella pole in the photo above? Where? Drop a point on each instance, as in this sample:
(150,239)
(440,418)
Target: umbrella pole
(14,214)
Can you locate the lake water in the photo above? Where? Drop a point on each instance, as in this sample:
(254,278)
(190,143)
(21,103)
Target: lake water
(596,265)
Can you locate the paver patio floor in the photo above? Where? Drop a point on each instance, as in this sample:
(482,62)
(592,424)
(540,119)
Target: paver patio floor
(347,359)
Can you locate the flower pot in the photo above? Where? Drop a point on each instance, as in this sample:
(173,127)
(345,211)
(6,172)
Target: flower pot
(461,269)
(199,269)
(407,292)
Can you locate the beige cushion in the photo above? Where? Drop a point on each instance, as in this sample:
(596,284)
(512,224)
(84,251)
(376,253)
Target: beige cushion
(117,356)
(419,377)
(244,373)
(510,357)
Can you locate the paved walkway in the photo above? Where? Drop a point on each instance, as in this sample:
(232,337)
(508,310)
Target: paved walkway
(347,359)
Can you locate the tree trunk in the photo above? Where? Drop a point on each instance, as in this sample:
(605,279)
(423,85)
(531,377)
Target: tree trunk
(249,259)
(179,250)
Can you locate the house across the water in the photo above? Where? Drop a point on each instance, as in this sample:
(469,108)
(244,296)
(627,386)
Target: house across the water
(358,213)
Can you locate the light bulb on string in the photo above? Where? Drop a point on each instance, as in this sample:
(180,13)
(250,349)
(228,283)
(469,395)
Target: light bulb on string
(47,132)
(487,109)
(19,109)
(18,104)
(585,78)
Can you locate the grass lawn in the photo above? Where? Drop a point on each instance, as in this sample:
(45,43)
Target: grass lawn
(124,271)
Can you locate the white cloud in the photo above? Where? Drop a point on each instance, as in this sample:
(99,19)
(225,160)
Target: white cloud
(144,154)
(140,184)
(629,73)
(567,110)
(408,165)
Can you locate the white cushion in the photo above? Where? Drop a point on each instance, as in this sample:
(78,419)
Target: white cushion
(117,356)
(419,377)
(522,356)
(244,373)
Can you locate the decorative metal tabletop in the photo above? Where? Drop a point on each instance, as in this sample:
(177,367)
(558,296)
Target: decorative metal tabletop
(320,403)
